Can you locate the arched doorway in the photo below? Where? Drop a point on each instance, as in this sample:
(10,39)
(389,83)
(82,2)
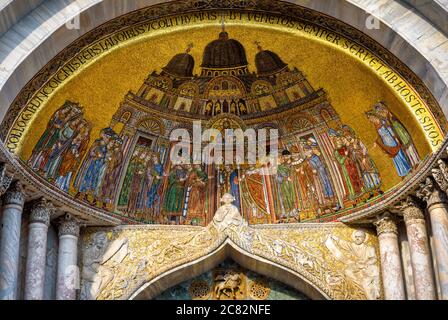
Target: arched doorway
(227,251)
(230,281)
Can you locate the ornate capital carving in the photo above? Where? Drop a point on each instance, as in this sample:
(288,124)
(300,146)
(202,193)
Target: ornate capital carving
(431,193)
(14,195)
(440,174)
(69,226)
(386,224)
(411,210)
(5,179)
(41,211)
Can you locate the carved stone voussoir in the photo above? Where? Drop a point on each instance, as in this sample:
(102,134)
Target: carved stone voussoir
(386,224)
(41,211)
(69,226)
(431,193)
(14,195)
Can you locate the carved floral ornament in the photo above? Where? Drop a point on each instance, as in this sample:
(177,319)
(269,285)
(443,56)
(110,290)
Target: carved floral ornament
(332,258)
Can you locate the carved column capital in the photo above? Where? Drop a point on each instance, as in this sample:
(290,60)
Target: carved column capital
(386,224)
(5,179)
(440,174)
(69,226)
(431,193)
(14,194)
(41,211)
(411,210)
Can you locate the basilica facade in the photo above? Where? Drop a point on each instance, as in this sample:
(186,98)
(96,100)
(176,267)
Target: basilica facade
(256,150)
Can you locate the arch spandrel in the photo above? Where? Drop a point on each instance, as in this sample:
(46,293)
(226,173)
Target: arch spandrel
(159,257)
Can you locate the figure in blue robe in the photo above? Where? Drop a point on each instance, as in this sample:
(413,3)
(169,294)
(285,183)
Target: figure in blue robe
(153,194)
(235,189)
(90,181)
(390,144)
(316,163)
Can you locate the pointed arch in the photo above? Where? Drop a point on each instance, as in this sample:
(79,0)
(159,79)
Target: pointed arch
(228,249)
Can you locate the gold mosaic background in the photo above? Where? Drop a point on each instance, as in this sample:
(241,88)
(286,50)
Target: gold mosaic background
(351,86)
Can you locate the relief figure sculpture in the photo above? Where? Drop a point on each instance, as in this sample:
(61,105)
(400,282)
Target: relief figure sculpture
(96,274)
(360,261)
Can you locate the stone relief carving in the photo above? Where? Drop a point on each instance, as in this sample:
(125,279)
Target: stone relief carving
(227,285)
(228,215)
(99,261)
(360,261)
(151,251)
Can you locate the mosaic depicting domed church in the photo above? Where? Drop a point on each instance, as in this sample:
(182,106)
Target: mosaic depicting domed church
(324,167)
(223,150)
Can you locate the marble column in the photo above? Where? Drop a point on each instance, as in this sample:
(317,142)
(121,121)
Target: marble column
(419,249)
(392,272)
(67,280)
(37,249)
(437,206)
(13,201)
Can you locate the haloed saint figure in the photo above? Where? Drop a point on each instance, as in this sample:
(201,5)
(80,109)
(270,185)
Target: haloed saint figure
(394,139)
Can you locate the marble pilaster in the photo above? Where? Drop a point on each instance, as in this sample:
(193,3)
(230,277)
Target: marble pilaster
(68,273)
(37,245)
(392,271)
(437,206)
(13,201)
(419,249)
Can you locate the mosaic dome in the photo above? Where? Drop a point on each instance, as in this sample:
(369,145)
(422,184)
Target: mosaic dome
(181,65)
(268,62)
(224,53)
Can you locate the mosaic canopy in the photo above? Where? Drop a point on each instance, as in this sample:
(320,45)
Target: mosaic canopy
(351,129)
